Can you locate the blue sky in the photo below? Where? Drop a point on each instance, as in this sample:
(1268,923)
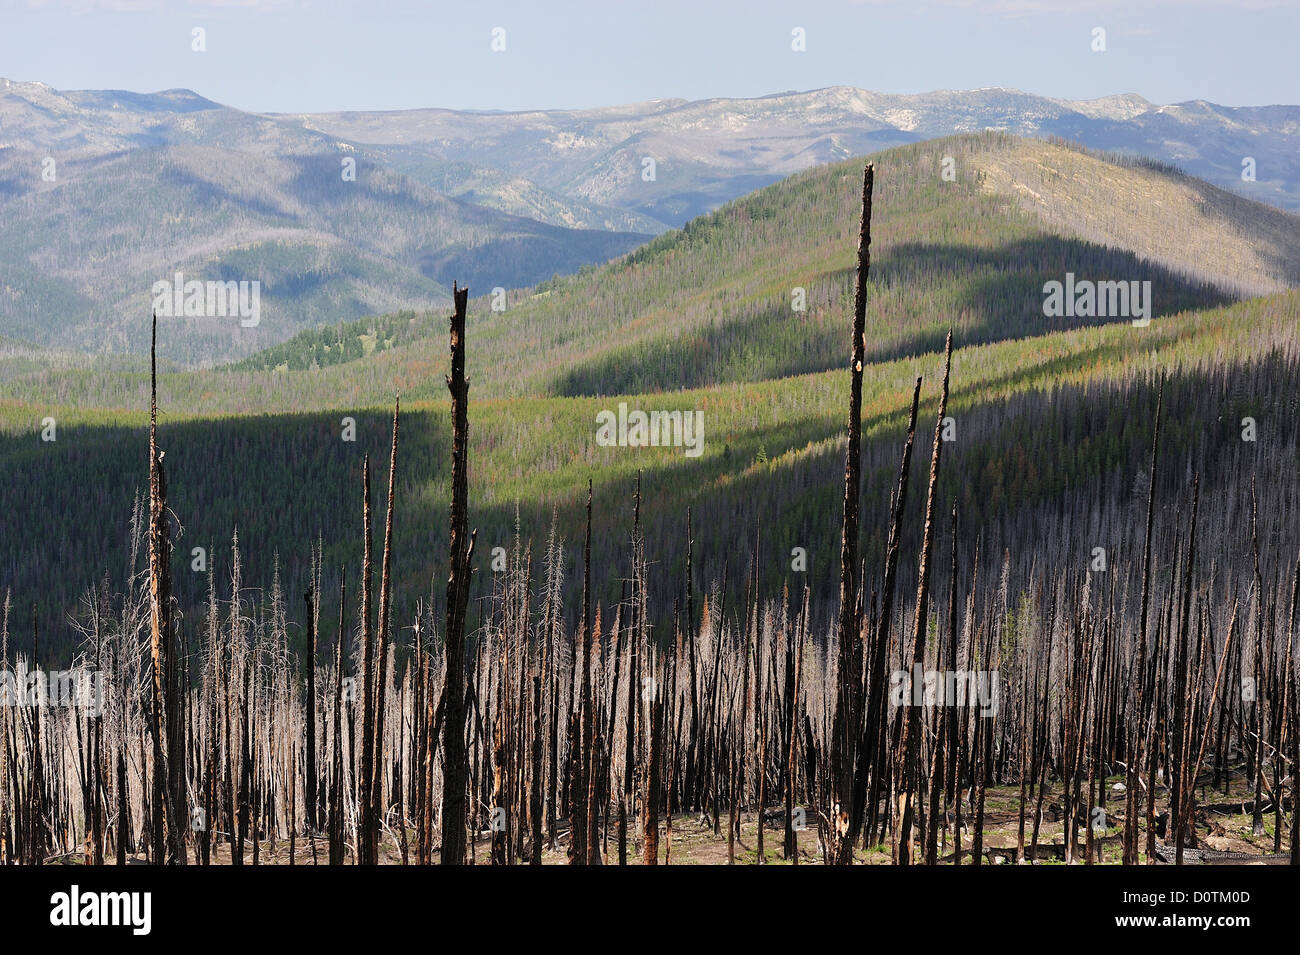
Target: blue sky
(316,55)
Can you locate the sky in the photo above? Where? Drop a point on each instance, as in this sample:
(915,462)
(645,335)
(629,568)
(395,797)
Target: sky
(322,55)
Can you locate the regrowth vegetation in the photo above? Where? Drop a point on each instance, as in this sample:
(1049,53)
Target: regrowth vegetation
(1025,601)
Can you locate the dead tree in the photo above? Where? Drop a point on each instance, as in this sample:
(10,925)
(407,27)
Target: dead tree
(336,763)
(309,793)
(168,752)
(911,725)
(579,853)
(366,852)
(1136,735)
(848,704)
(461,551)
(376,807)
(650,822)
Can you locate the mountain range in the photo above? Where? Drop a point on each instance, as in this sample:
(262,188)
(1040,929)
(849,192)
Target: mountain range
(740,315)
(344,215)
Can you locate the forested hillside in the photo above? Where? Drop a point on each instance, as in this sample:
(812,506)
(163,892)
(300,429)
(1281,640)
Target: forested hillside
(1112,518)
(708,309)
(320,246)
(1046,427)
(716,301)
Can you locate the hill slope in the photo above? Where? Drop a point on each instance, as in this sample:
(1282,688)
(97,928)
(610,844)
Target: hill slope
(144,185)
(1045,427)
(1051,415)
(79,256)
(701,320)
(715,302)
(103,193)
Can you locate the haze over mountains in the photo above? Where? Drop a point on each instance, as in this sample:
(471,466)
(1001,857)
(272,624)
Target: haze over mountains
(712,150)
(144,185)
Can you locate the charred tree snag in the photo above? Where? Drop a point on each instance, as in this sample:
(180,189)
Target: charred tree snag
(580,852)
(536,781)
(794,678)
(1257,763)
(1177,767)
(364,832)
(461,551)
(876,723)
(168,769)
(1290,716)
(693,770)
(911,718)
(497,819)
(633,656)
(848,704)
(37,837)
(309,794)
(336,763)
(376,808)
(943,737)
(650,822)
(1136,734)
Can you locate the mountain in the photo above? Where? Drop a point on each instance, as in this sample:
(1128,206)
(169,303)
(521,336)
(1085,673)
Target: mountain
(701,320)
(715,301)
(140,188)
(144,185)
(709,151)
(79,256)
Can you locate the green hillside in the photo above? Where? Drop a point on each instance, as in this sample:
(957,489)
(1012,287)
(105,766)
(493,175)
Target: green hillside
(772,451)
(714,302)
(1049,414)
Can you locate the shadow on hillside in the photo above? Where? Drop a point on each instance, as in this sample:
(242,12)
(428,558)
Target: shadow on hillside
(1283,258)
(918,290)
(1027,463)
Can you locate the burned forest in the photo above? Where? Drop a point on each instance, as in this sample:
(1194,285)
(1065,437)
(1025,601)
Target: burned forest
(1107,676)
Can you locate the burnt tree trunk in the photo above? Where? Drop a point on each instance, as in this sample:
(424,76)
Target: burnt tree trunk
(455,754)
(848,702)
(911,727)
